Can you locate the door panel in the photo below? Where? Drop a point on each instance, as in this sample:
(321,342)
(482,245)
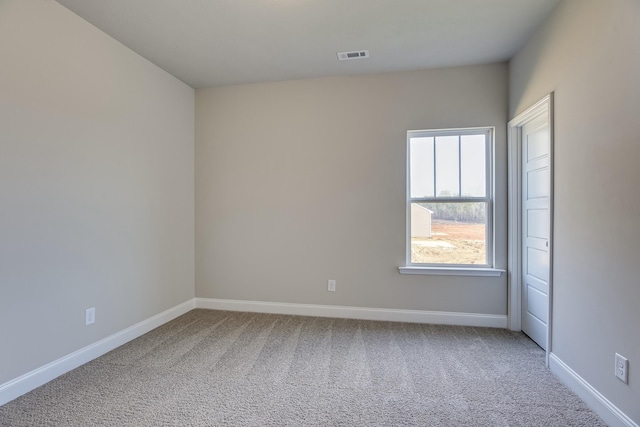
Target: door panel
(538,304)
(537,264)
(536,192)
(538,145)
(538,183)
(538,220)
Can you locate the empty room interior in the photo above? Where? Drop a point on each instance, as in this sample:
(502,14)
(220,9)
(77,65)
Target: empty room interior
(180,171)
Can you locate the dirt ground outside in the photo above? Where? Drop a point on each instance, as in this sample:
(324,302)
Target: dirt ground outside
(451,243)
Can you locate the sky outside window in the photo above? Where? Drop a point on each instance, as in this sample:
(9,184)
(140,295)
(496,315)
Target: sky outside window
(447,166)
(421,166)
(456,162)
(473,165)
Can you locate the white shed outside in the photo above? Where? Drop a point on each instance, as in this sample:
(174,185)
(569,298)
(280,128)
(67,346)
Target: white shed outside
(420,221)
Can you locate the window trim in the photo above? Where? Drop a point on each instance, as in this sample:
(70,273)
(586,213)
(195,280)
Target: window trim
(423,269)
(486,269)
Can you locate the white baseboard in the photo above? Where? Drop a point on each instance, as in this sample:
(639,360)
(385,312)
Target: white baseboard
(34,379)
(31,380)
(610,413)
(363,313)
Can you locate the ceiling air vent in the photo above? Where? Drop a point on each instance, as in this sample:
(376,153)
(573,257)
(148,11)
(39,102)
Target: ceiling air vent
(344,56)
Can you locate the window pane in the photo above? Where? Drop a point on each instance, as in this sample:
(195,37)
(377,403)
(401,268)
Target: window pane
(447,167)
(421,166)
(448,233)
(473,163)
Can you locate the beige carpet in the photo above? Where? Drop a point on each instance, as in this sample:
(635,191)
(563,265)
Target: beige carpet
(216,368)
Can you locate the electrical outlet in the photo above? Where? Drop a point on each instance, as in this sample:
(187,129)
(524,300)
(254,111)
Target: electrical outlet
(90,316)
(331,286)
(622,368)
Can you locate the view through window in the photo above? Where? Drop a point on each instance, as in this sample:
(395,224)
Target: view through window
(449,197)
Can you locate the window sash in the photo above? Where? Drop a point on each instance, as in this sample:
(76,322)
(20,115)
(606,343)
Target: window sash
(488,234)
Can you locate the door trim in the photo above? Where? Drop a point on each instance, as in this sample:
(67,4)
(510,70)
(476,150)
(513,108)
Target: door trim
(514,276)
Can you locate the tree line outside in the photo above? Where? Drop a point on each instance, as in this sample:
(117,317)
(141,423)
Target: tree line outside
(471,212)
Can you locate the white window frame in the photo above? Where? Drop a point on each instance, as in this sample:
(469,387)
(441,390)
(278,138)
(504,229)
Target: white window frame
(486,269)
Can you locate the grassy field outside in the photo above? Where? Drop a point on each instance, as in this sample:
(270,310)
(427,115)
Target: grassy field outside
(451,242)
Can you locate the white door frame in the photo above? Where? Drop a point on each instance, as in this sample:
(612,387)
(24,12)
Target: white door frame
(514,318)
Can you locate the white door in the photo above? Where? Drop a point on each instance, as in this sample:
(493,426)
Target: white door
(536,220)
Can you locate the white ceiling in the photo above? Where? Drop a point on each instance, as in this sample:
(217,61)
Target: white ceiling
(219,42)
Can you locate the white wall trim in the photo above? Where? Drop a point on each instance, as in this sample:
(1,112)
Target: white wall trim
(34,379)
(610,413)
(12,389)
(363,313)
(514,245)
(451,271)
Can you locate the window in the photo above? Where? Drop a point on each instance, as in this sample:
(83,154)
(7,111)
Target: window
(449,200)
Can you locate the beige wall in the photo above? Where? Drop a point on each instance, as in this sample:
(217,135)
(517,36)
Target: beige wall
(302,181)
(588,53)
(96,186)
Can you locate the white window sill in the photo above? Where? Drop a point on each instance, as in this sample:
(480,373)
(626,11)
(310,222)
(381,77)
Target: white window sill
(452,271)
